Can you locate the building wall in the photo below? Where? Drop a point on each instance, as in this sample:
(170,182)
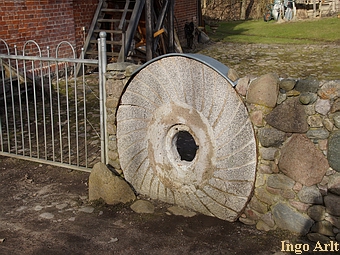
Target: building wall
(47,22)
(185,11)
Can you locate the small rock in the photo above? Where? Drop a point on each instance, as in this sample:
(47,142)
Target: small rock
(336,119)
(316,237)
(61,206)
(310,195)
(113,240)
(86,209)
(46,215)
(72,219)
(323,228)
(317,212)
(322,106)
(247,221)
(287,84)
(143,206)
(176,210)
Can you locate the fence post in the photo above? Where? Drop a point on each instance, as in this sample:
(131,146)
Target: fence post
(102,94)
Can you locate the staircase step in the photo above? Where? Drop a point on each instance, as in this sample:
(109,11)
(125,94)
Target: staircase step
(111,54)
(109,20)
(108,31)
(108,42)
(106,10)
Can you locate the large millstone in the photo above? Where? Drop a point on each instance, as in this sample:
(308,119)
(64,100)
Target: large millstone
(184,137)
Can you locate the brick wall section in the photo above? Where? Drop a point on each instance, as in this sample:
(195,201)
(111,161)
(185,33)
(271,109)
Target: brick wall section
(185,11)
(48,22)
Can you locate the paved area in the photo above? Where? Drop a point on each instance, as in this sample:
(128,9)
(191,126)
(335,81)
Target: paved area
(296,61)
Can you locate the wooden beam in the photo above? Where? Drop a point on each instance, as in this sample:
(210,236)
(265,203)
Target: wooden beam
(149,29)
(171,25)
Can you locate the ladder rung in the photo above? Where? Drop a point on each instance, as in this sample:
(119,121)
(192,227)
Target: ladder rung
(111,54)
(115,10)
(108,20)
(108,42)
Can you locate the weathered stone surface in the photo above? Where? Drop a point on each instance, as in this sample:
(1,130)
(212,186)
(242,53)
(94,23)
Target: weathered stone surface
(334,184)
(247,221)
(333,154)
(307,98)
(287,84)
(336,119)
(317,212)
(302,161)
(332,203)
(317,133)
(316,237)
(310,195)
(109,187)
(322,106)
(271,137)
(263,195)
(257,205)
(264,90)
(176,210)
(288,117)
(337,238)
(143,206)
(300,206)
(286,217)
(330,90)
(268,153)
(281,98)
(335,106)
(242,85)
(280,181)
(323,228)
(334,220)
(256,118)
(314,121)
(268,219)
(260,225)
(307,85)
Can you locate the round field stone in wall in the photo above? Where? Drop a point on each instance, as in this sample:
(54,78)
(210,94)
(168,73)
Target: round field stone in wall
(185,137)
(289,117)
(307,85)
(302,161)
(333,154)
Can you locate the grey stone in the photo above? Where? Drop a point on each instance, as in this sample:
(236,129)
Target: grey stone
(332,203)
(337,237)
(103,184)
(86,209)
(280,181)
(247,221)
(271,137)
(176,210)
(143,206)
(317,212)
(336,119)
(131,69)
(334,184)
(323,228)
(46,215)
(264,90)
(307,98)
(307,85)
(257,205)
(302,161)
(120,66)
(333,154)
(268,219)
(316,237)
(268,153)
(310,195)
(328,124)
(287,218)
(322,106)
(288,117)
(287,84)
(263,195)
(260,225)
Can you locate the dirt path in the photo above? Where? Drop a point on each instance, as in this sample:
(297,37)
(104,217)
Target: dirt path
(44,210)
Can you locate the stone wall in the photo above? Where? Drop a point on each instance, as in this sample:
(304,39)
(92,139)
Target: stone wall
(297,126)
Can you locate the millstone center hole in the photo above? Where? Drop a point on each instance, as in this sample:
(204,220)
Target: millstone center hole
(186,146)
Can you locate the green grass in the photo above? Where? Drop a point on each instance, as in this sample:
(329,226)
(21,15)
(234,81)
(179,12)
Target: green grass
(318,31)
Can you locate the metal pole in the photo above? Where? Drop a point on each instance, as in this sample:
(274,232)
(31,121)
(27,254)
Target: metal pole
(102,93)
